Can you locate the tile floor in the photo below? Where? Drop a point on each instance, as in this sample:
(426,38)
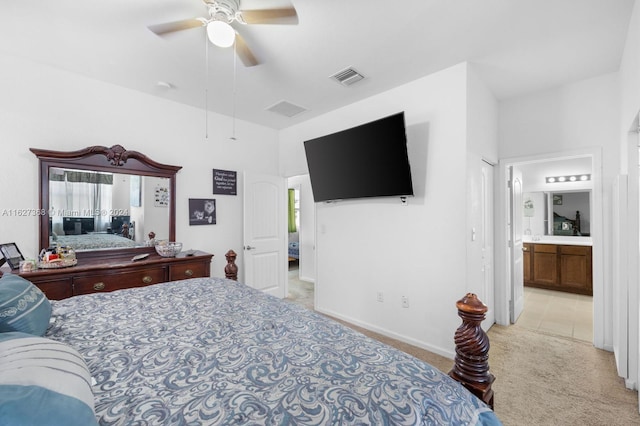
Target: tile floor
(559,313)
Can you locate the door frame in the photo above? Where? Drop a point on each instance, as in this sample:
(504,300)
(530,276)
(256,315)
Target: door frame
(516,233)
(503,264)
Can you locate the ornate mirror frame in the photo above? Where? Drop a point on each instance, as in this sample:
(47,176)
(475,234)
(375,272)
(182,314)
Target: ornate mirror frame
(101,158)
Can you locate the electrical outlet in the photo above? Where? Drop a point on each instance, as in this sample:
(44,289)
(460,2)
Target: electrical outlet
(405,302)
(380,296)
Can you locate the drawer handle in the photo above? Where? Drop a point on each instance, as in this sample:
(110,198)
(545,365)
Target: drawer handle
(147,279)
(188,273)
(99,286)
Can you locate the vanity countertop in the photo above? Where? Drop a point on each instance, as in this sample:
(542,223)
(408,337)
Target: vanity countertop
(557,239)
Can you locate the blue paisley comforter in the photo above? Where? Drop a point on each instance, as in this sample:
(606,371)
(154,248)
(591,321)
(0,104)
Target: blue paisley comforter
(208,351)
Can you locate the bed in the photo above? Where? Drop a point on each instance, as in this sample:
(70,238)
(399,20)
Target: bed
(294,250)
(562,225)
(209,351)
(92,241)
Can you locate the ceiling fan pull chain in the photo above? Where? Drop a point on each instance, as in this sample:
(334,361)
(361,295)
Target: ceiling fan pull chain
(206,86)
(233,102)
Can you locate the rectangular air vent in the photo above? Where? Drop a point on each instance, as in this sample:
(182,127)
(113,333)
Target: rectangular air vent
(347,76)
(286,108)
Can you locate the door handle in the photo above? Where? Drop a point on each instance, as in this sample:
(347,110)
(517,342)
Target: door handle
(249,248)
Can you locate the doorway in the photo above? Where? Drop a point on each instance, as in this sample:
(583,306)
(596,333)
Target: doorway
(543,310)
(301,242)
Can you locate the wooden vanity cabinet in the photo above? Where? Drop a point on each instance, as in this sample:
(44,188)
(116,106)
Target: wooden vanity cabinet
(545,264)
(527,255)
(97,275)
(558,267)
(576,269)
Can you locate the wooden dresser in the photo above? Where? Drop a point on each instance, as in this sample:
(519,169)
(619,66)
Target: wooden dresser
(558,267)
(94,275)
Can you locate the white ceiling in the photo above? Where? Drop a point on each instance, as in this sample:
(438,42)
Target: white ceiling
(519,46)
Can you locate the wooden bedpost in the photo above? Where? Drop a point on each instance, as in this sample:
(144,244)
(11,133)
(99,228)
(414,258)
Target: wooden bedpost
(231,270)
(472,350)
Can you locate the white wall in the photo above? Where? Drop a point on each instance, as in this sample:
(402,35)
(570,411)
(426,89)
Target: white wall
(628,299)
(378,245)
(579,116)
(630,82)
(47,108)
(482,146)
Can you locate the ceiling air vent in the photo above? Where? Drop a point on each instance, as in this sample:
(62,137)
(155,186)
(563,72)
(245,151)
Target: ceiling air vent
(286,108)
(347,77)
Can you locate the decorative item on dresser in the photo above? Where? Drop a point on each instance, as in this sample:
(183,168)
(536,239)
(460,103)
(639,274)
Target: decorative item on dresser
(93,275)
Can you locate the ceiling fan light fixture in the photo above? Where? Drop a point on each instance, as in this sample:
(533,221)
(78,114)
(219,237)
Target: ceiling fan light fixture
(221,34)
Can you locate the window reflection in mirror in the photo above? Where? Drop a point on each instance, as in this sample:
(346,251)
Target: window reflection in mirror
(99,210)
(565,213)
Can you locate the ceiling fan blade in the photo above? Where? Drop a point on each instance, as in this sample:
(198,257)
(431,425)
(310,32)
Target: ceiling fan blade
(284,16)
(170,27)
(244,53)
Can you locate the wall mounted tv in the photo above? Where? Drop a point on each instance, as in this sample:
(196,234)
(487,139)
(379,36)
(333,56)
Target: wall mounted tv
(369,160)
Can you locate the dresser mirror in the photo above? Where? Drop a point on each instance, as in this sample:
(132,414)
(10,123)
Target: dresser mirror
(104,201)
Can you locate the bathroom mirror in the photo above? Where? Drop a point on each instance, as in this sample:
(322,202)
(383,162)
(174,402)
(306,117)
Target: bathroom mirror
(563,213)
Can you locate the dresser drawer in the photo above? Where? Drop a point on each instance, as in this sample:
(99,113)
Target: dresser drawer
(111,282)
(183,271)
(55,289)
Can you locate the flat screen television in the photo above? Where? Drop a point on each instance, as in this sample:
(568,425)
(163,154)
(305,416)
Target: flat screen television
(369,160)
(78,225)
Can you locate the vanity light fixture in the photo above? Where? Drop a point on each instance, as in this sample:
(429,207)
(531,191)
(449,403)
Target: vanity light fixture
(568,178)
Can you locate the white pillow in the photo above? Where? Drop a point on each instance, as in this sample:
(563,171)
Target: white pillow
(43,382)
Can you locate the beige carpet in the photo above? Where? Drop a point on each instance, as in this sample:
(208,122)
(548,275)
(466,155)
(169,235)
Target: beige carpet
(541,379)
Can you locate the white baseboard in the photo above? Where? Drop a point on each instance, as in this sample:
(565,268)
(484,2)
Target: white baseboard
(418,343)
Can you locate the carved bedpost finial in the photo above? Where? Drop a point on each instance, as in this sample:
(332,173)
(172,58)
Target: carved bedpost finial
(231,270)
(472,350)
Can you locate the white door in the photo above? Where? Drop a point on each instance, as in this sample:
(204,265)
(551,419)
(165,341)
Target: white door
(265,222)
(487,243)
(515,243)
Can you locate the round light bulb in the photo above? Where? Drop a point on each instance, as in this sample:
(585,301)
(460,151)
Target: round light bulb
(572,178)
(551,180)
(584,177)
(561,179)
(221,34)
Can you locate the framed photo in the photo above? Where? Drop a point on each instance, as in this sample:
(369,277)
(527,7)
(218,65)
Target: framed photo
(202,211)
(557,200)
(161,196)
(11,254)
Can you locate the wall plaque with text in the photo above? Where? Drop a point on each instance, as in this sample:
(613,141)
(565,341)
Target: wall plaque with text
(225,182)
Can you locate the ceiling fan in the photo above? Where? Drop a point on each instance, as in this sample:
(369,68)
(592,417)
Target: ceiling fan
(224,13)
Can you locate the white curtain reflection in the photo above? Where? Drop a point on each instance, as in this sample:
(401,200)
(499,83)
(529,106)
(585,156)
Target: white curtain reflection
(81,195)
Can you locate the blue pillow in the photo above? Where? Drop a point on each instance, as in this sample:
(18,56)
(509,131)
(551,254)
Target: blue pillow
(43,382)
(23,306)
